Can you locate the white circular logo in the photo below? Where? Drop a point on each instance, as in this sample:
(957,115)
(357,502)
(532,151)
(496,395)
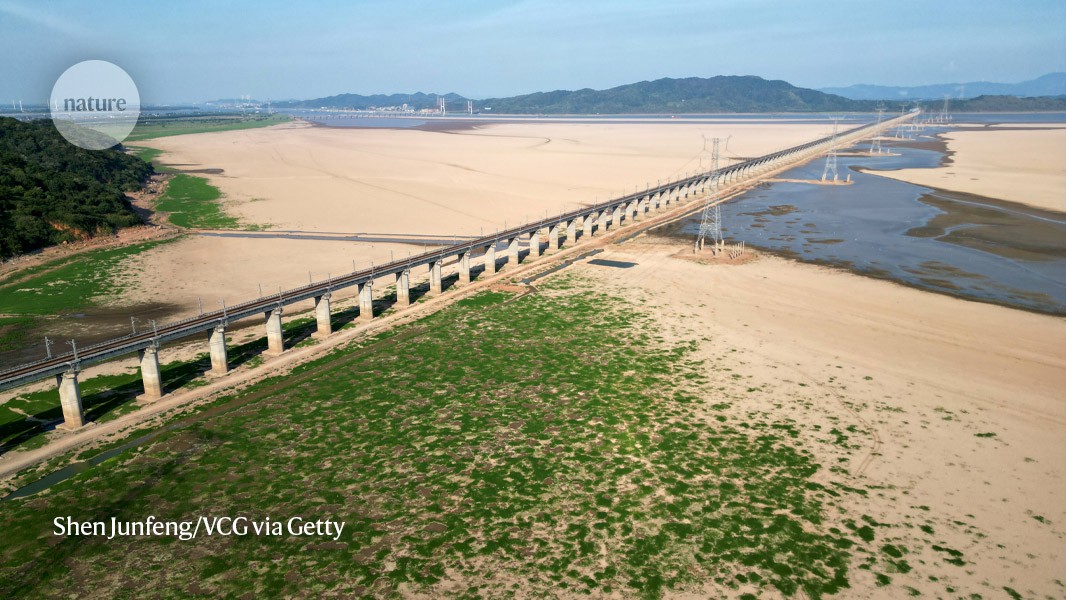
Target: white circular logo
(95,104)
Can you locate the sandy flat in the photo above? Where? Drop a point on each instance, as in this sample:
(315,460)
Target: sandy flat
(408,181)
(233,269)
(305,180)
(919,376)
(1020,166)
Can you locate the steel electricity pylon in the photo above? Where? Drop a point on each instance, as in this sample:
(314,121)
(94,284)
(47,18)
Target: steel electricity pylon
(711,220)
(831,157)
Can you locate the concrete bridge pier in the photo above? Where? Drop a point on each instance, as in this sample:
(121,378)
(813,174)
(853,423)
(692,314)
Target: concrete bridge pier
(150,376)
(216,343)
(605,218)
(70,400)
(436,286)
(571,232)
(464,267)
(587,225)
(490,259)
(403,288)
(366,301)
(324,327)
(534,244)
(513,257)
(275,339)
(616,217)
(553,238)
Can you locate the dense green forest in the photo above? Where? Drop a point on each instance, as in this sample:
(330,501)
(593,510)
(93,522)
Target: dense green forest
(52,191)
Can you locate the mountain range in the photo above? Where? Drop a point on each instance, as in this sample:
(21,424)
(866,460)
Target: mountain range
(1052,84)
(662,96)
(691,95)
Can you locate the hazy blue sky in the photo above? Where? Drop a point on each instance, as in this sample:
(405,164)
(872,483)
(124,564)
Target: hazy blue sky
(191,50)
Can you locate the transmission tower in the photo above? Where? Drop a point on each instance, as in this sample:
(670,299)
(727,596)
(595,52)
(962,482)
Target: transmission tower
(831,157)
(875,144)
(711,220)
(944,111)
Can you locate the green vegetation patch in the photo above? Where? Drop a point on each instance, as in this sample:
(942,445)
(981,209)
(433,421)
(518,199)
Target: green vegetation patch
(68,284)
(549,441)
(149,155)
(193,202)
(14,332)
(150,127)
(144,153)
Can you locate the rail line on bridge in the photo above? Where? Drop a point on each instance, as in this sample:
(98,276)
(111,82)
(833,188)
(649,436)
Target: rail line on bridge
(593,219)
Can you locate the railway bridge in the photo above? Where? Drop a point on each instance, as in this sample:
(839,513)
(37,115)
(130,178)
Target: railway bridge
(545,235)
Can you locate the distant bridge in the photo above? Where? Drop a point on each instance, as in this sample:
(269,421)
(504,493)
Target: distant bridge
(585,222)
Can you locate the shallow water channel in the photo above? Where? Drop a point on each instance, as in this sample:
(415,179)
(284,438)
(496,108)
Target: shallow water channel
(960,244)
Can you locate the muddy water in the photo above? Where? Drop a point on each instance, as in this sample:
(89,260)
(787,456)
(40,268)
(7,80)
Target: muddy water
(960,244)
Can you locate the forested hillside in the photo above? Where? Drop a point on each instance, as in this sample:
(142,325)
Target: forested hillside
(690,95)
(52,191)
